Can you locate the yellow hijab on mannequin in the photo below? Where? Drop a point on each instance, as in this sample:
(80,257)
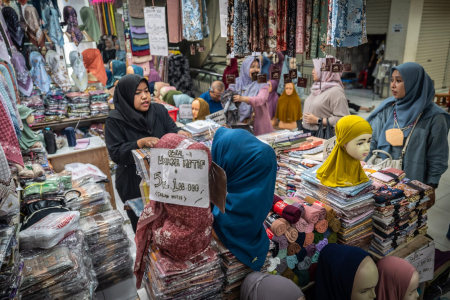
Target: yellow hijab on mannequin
(340,169)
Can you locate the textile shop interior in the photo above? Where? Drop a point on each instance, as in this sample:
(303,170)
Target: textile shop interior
(232,149)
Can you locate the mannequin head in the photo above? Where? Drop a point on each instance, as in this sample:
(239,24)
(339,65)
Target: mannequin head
(164,91)
(366,280)
(195,108)
(130,70)
(254,67)
(30,119)
(397,85)
(359,147)
(314,73)
(293,63)
(142,97)
(411,293)
(289,88)
(270,86)
(158,86)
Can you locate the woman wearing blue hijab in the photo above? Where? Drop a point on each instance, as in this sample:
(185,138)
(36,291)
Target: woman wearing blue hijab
(427,152)
(251,167)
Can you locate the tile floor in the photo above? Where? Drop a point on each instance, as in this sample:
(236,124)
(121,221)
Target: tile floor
(438,216)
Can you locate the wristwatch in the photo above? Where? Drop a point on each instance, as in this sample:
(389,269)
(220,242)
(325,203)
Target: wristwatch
(319,121)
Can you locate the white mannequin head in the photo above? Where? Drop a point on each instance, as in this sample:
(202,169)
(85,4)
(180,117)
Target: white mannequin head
(359,147)
(365,281)
(411,293)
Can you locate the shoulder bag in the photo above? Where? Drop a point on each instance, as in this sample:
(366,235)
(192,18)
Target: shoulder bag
(327,134)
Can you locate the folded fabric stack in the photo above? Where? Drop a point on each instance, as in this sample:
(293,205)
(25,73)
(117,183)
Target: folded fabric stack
(99,103)
(108,247)
(202,130)
(36,103)
(79,105)
(388,176)
(198,278)
(234,271)
(56,105)
(353,206)
(89,200)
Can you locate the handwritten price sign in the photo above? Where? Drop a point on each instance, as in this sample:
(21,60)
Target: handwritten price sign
(155,20)
(423,261)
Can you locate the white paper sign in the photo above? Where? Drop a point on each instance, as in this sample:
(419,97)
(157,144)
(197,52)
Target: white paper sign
(218,117)
(185,111)
(223,8)
(423,261)
(155,20)
(397,28)
(179,177)
(158,45)
(328,147)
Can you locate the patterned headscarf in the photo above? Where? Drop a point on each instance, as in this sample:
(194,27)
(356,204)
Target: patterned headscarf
(70,18)
(24,81)
(12,23)
(33,30)
(58,70)
(8,194)
(38,73)
(10,106)
(8,139)
(51,24)
(79,74)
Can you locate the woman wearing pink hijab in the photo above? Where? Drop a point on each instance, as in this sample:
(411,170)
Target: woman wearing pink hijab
(399,280)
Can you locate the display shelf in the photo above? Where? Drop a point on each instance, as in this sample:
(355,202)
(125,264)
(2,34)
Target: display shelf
(68,121)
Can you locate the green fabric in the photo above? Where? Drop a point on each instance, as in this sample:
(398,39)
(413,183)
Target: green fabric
(137,22)
(317,237)
(168,97)
(332,238)
(28,137)
(323,27)
(303,277)
(90,23)
(40,188)
(140,42)
(315,28)
(282,254)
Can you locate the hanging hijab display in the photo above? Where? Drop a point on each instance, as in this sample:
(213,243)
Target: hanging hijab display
(12,23)
(328,79)
(33,30)
(90,23)
(70,19)
(8,138)
(93,63)
(52,26)
(9,200)
(24,81)
(38,73)
(79,74)
(4,48)
(58,70)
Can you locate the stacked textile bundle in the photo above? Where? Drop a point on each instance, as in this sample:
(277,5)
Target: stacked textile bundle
(89,200)
(202,130)
(353,205)
(62,272)
(197,278)
(56,105)
(35,103)
(79,105)
(108,247)
(99,103)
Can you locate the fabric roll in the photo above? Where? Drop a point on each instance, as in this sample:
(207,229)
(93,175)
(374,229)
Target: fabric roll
(315,257)
(332,238)
(312,272)
(305,264)
(309,239)
(282,266)
(289,212)
(274,262)
(279,226)
(334,225)
(303,277)
(317,237)
(281,240)
(288,274)
(311,214)
(321,226)
(301,239)
(327,233)
(302,254)
(303,226)
(282,254)
(293,249)
(321,244)
(311,249)
(326,212)
(292,261)
(291,234)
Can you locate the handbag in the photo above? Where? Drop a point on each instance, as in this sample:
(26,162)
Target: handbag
(326,134)
(378,163)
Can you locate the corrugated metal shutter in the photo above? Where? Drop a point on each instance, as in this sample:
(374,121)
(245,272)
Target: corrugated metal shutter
(377,16)
(434,40)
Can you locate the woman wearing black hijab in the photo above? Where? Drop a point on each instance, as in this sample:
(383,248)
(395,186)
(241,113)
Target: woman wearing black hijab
(134,123)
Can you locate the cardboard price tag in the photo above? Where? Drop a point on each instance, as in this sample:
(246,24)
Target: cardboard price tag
(328,147)
(335,68)
(287,78)
(275,74)
(231,79)
(347,67)
(218,117)
(302,82)
(185,111)
(330,60)
(326,68)
(254,76)
(262,78)
(293,73)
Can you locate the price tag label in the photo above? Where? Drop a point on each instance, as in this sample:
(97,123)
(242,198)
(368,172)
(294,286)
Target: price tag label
(275,74)
(293,73)
(335,68)
(302,82)
(254,76)
(218,117)
(231,79)
(262,78)
(287,78)
(185,111)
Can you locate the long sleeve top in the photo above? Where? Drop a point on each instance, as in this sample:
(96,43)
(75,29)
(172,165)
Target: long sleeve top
(331,104)
(262,123)
(427,153)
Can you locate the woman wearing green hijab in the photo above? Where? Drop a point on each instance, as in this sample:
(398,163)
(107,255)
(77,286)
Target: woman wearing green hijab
(90,23)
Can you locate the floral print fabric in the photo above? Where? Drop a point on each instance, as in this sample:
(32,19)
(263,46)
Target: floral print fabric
(241,28)
(9,107)
(79,74)
(348,27)
(70,18)
(51,24)
(291,27)
(33,30)
(281,26)
(300,33)
(12,23)
(58,70)
(272,30)
(308,27)
(230,32)
(24,82)
(192,25)
(315,28)
(38,73)
(179,74)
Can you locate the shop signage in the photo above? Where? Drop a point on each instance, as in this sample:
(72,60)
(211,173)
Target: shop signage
(328,147)
(155,20)
(158,45)
(218,117)
(397,28)
(423,261)
(179,177)
(185,111)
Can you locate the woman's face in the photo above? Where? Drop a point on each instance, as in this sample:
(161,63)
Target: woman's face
(195,108)
(108,44)
(254,67)
(289,88)
(142,97)
(397,85)
(315,77)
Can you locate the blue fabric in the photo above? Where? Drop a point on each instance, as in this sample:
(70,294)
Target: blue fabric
(183,99)
(418,98)
(139,35)
(336,271)
(151,87)
(265,66)
(51,24)
(348,17)
(285,70)
(213,105)
(138,70)
(251,167)
(119,69)
(135,48)
(121,55)
(111,79)
(38,73)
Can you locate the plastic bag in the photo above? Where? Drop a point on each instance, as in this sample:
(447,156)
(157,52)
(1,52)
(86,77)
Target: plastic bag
(79,170)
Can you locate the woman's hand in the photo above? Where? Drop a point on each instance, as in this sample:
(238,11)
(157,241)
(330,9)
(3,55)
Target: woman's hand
(149,142)
(309,118)
(185,133)
(238,98)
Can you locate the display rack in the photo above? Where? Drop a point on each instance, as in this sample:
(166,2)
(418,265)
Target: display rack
(68,121)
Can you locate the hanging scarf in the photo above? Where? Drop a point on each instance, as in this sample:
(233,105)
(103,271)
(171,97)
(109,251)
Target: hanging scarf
(300,33)
(11,78)
(9,199)
(340,169)
(315,28)
(70,19)
(4,52)
(327,79)
(10,106)
(33,30)
(192,27)
(272,100)
(291,27)
(111,79)
(119,69)
(99,17)
(51,24)
(58,70)
(289,108)
(12,23)
(281,26)
(308,27)
(203,111)
(79,74)
(38,73)
(8,138)
(90,23)
(323,27)
(241,27)
(349,30)
(272,30)
(93,63)
(45,3)
(230,19)
(24,81)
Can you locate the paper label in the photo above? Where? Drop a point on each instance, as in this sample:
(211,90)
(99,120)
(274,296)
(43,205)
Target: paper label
(262,78)
(271,218)
(185,111)
(347,67)
(275,74)
(231,78)
(293,73)
(279,207)
(158,45)
(328,147)
(287,78)
(326,68)
(179,177)
(218,117)
(302,82)
(335,68)
(330,60)
(423,261)
(254,76)
(155,20)
(318,203)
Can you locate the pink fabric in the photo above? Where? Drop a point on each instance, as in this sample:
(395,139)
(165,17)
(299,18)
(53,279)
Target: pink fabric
(175,29)
(303,226)
(154,76)
(262,123)
(311,214)
(300,32)
(395,275)
(8,138)
(328,79)
(181,232)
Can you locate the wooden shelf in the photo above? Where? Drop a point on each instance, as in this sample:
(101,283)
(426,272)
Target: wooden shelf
(68,121)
